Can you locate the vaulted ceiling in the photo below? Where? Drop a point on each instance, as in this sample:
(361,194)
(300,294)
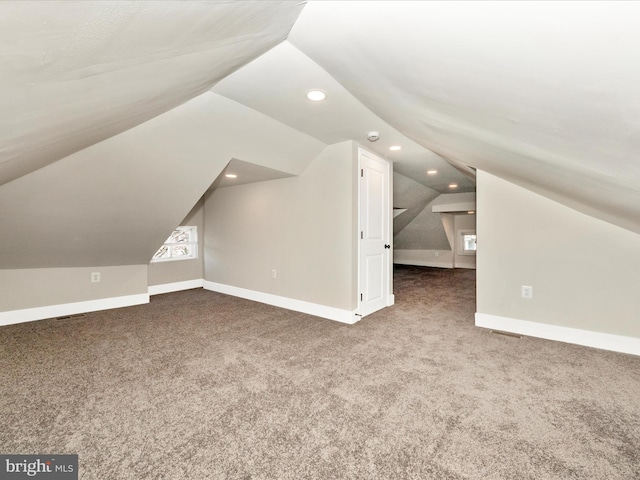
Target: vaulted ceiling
(73,73)
(543,94)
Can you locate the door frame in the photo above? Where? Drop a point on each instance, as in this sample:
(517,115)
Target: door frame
(388,282)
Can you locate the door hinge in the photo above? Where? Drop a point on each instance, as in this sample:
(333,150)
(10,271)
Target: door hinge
(361,235)
(360,297)
(362,172)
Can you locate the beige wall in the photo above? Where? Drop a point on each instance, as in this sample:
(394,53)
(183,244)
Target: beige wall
(116,201)
(182,270)
(585,273)
(109,207)
(303,227)
(40,287)
(425,258)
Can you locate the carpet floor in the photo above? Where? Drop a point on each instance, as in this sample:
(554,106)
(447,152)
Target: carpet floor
(199,385)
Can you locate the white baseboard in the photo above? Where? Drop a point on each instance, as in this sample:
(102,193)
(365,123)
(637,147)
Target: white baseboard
(52,311)
(423,263)
(587,338)
(331,313)
(175,286)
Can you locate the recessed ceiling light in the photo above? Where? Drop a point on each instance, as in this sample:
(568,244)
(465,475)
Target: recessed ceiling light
(395,148)
(316,95)
(231,175)
(453,185)
(432,172)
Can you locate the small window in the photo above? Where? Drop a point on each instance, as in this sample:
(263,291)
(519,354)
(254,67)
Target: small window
(182,244)
(468,244)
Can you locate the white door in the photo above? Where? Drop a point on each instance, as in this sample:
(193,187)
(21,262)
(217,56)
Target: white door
(375,247)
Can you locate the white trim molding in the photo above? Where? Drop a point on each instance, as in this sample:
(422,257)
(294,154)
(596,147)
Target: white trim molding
(422,263)
(53,311)
(468,266)
(330,313)
(175,286)
(587,338)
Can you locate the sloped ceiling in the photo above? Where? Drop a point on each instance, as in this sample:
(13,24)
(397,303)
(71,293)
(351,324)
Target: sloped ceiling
(73,73)
(103,115)
(275,84)
(87,176)
(115,202)
(543,94)
(238,173)
(410,196)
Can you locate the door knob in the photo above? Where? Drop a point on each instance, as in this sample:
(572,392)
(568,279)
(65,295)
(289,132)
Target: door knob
(387,246)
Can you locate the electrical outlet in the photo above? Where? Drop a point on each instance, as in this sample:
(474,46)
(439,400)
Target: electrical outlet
(95,277)
(274,273)
(437,254)
(527,292)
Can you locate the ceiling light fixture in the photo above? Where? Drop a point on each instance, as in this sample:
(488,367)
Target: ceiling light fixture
(395,148)
(432,172)
(316,95)
(231,175)
(453,185)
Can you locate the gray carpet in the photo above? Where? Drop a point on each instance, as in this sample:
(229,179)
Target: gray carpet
(198,385)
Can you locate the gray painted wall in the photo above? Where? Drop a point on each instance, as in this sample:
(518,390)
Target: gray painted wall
(585,272)
(114,203)
(304,227)
(429,239)
(41,287)
(425,232)
(419,234)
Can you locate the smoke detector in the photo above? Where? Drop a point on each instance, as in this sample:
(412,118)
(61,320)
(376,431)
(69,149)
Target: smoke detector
(373,136)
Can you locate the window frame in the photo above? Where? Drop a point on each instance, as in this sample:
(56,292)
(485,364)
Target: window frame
(193,243)
(463,250)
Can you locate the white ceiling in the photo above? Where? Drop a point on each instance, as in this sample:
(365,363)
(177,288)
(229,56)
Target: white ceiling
(275,84)
(543,94)
(246,172)
(73,73)
(108,134)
